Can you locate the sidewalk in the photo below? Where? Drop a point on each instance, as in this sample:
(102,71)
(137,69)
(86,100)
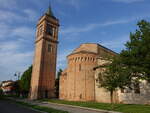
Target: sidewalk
(69,108)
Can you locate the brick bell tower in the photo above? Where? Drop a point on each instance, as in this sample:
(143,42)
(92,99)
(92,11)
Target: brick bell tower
(44,64)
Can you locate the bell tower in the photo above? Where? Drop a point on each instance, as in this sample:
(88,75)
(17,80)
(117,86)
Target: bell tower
(44,63)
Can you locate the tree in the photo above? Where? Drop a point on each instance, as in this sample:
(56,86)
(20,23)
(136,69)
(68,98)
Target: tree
(17,88)
(25,81)
(1,93)
(57,82)
(115,76)
(136,56)
(132,64)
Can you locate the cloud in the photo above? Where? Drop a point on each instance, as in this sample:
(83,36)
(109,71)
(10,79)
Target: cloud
(26,15)
(25,32)
(15,36)
(8,31)
(8,16)
(128,1)
(117,43)
(8,46)
(4,30)
(12,59)
(90,27)
(93,26)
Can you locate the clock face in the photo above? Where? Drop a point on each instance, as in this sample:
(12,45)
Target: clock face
(49,30)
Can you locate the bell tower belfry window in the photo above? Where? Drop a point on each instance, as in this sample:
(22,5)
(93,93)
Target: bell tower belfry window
(44,63)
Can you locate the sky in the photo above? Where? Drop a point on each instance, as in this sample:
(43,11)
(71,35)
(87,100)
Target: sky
(107,22)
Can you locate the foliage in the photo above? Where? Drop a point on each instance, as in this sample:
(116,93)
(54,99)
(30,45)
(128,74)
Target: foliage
(136,56)
(125,108)
(57,82)
(17,88)
(132,64)
(25,81)
(115,76)
(1,93)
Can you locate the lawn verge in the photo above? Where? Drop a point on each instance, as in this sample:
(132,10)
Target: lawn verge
(125,108)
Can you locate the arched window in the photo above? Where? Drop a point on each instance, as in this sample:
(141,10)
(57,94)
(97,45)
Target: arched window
(75,59)
(78,58)
(40,30)
(50,49)
(85,58)
(81,58)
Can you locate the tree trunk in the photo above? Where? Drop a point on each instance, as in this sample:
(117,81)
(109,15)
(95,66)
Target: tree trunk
(111,96)
(112,102)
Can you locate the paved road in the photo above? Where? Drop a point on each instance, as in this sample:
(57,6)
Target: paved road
(10,107)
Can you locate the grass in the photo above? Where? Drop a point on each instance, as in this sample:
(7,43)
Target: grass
(41,108)
(125,108)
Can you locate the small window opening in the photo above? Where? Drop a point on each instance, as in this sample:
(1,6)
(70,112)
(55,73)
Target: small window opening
(50,49)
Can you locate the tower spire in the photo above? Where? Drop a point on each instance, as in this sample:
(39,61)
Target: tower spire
(49,10)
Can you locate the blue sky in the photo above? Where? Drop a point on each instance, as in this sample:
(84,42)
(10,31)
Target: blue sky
(107,22)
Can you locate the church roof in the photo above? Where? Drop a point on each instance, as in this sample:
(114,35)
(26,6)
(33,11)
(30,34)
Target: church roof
(91,48)
(87,47)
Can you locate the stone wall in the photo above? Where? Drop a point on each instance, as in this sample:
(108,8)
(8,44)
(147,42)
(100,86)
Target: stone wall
(125,96)
(130,97)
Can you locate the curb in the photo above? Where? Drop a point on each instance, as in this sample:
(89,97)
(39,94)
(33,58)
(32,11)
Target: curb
(85,108)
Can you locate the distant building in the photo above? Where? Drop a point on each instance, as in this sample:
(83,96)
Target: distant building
(7,87)
(79,81)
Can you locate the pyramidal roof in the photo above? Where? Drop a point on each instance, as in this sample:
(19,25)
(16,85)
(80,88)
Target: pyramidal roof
(49,12)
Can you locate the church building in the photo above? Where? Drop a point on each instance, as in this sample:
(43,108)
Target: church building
(79,81)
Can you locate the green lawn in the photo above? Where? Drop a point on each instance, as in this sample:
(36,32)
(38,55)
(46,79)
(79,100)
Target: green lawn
(40,108)
(125,108)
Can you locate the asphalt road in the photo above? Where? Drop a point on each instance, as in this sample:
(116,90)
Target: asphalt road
(7,106)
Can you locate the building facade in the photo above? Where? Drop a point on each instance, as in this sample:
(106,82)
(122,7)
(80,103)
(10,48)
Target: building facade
(8,87)
(44,64)
(79,81)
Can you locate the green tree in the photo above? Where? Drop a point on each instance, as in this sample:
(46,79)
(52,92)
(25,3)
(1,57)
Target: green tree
(133,62)
(25,81)
(114,77)
(136,56)
(57,82)
(17,88)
